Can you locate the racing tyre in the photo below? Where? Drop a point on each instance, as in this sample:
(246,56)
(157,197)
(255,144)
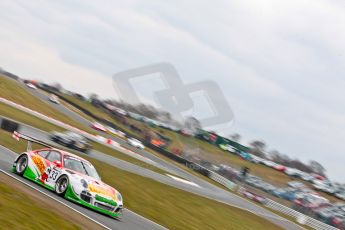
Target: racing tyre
(121,214)
(61,185)
(22,164)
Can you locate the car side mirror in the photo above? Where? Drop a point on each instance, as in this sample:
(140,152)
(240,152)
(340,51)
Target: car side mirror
(57,164)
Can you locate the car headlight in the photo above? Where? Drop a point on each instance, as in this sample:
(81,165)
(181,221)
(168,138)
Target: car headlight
(119,197)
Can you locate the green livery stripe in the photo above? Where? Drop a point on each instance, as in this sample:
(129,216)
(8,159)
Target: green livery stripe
(37,172)
(29,174)
(105,200)
(45,185)
(70,194)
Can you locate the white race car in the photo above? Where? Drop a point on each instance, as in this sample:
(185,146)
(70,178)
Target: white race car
(31,86)
(135,143)
(98,126)
(53,98)
(70,176)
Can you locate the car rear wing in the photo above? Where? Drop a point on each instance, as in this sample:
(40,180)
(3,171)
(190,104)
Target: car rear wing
(16,135)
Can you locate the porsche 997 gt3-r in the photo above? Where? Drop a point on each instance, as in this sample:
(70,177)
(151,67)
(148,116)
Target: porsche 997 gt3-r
(71,177)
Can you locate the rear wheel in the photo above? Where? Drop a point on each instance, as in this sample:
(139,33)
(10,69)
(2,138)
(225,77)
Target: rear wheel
(22,164)
(61,185)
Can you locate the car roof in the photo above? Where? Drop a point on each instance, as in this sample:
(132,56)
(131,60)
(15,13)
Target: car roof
(64,153)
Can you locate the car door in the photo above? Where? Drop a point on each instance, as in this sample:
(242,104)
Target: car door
(53,171)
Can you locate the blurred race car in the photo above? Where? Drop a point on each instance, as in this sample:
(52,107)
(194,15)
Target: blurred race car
(252,196)
(71,177)
(53,98)
(71,140)
(31,86)
(116,132)
(98,126)
(135,143)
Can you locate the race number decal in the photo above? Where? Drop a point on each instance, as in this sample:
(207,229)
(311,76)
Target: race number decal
(53,174)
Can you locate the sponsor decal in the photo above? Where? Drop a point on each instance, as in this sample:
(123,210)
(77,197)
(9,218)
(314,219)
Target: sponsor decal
(39,162)
(51,174)
(93,187)
(43,169)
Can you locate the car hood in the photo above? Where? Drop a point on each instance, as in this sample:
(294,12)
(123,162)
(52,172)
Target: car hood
(100,188)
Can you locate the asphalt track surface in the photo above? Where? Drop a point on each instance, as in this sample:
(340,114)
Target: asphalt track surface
(204,188)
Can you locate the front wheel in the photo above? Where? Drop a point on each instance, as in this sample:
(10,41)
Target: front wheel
(119,217)
(22,164)
(61,185)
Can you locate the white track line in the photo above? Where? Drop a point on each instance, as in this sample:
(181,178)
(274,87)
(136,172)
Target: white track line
(183,180)
(147,219)
(29,185)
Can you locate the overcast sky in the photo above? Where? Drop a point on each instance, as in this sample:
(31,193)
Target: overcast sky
(279,63)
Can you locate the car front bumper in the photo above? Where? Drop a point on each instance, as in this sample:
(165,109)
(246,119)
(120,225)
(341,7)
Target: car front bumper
(91,202)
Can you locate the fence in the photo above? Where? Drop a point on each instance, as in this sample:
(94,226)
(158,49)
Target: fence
(222,180)
(301,218)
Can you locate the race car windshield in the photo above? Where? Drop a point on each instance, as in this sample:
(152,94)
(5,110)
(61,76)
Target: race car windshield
(81,167)
(91,171)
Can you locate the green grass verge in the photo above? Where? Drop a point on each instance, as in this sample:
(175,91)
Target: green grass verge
(97,112)
(74,109)
(171,207)
(18,115)
(12,90)
(86,105)
(19,211)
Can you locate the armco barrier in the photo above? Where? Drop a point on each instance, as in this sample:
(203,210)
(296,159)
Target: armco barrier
(198,168)
(8,125)
(222,180)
